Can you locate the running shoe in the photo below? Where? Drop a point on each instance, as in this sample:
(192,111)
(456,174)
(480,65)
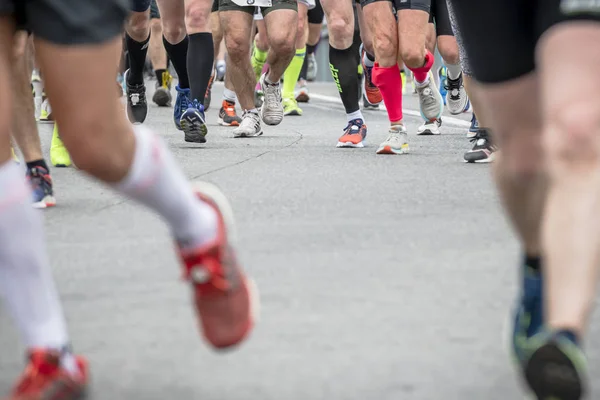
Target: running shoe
(430,100)
(290,107)
(302,92)
(472,132)
(354,134)
(162,95)
(370,91)
(193,123)
(483,150)
(41,186)
(271,111)
(221,68)
(456,96)
(14,155)
(396,142)
(45,110)
(430,128)
(259,96)
(35,76)
(225,298)
(249,127)
(442,80)
(312,67)
(208,94)
(137,108)
(556,367)
(59,156)
(182,102)
(367,105)
(227,115)
(45,379)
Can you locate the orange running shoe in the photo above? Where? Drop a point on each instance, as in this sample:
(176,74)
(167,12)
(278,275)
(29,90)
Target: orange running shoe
(226,300)
(370,91)
(227,114)
(45,379)
(354,134)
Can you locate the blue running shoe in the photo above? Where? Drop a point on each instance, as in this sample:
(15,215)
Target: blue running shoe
(41,186)
(557,367)
(474,127)
(193,123)
(528,317)
(181,104)
(443,83)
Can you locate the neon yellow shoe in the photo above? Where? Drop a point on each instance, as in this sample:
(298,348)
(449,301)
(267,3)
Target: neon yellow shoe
(290,107)
(59,156)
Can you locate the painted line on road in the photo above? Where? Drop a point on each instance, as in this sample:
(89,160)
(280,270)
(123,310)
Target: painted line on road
(447,120)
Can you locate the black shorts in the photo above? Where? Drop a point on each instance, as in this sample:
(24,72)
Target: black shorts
(69,22)
(215,6)
(440,16)
(154,11)
(423,5)
(502,35)
(229,5)
(316,15)
(140,5)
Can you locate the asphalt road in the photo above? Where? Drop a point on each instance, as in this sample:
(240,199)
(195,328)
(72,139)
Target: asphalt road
(382,277)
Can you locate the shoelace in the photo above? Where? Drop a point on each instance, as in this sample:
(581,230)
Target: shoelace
(272,95)
(349,128)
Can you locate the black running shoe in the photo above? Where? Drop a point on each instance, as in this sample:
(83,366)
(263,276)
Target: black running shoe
(137,108)
(483,149)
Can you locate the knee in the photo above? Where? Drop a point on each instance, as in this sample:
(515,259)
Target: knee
(196,17)
(385,49)
(449,54)
(413,57)
(173,32)
(340,30)
(572,137)
(283,44)
(237,47)
(138,26)
(156,26)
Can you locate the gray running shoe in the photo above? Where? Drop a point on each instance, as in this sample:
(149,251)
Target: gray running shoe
(430,100)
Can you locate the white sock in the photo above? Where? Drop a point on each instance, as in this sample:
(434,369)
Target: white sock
(25,278)
(367,61)
(156,181)
(425,82)
(355,115)
(453,71)
(229,95)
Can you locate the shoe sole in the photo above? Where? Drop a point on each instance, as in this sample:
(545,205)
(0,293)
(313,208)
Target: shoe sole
(47,202)
(429,132)
(302,98)
(344,145)
(161,98)
(195,131)
(213,193)
(221,122)
(552,375)
(390,150)
(237,136)
(293,113)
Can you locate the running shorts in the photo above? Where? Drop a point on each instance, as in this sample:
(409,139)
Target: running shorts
(316,15)
(423,5)
(464,59)
(215,6)
(154,11)
(439,15)
(503,34)
(69,22)
(140,5)
(229,5)
(310,4)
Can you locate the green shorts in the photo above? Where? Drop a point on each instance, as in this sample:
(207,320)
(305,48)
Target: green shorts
(229,5)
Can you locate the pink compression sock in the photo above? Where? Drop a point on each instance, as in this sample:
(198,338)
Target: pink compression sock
(389,82)
(421,72)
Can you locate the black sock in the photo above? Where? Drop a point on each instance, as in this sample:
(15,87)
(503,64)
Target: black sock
(137,59)
(200,63)
(310,49)
(569,334)
(159,75)
(38,163)
(343,69)
(304,69)
(533,262)
(178,56)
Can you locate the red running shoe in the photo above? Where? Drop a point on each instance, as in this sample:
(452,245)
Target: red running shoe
(225,299)
(45,379)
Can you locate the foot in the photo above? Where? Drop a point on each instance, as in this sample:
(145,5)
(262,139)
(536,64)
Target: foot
(220,70)
(44,378)
(483,150)
(193,123)
(430,128)
(367,105)
(430,100)
(59,155)
(40,182)
(45,110)
(354,134)
(302,93)
(137,108)
(456,96)
(312,67)
(162,95)
(370,91)
(442,80)
(528,315)
(227,115)
(249,127)
(224,298)
(182,102)
(290,107)
(271,111)
(474,127)
(396,142)
(208,94)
